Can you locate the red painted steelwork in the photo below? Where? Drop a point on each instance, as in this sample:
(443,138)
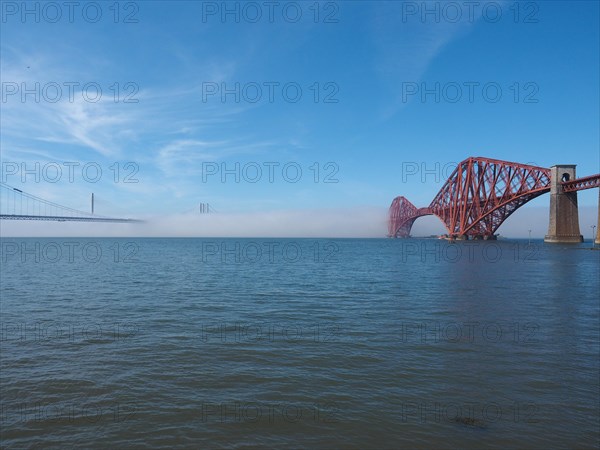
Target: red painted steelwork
(582,183)
(479,196)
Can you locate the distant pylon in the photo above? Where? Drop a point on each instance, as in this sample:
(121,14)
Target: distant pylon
(204,208)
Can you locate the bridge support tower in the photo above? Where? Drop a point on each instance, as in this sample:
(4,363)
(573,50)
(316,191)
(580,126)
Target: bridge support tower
(564,214)
(597,241)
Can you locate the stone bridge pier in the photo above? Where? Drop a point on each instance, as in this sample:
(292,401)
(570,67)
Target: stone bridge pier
(597,241)
(564,214)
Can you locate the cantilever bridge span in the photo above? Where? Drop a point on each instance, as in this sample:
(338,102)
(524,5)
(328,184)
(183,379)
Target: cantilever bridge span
(482,193)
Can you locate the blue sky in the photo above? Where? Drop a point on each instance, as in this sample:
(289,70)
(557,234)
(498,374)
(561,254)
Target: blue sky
(357,65)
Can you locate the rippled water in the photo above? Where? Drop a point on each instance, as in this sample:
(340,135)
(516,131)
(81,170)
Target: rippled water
(370,344)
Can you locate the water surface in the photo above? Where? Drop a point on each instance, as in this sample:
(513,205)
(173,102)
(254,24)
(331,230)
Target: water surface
(271,343)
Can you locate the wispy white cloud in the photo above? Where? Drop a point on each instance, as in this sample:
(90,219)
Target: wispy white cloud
(59,116)
(184,157)
(405,46)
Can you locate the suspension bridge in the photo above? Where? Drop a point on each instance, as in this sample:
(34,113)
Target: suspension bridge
(481,193)
(18,205)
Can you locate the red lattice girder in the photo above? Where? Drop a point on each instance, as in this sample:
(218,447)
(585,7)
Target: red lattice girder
(402,215)
(476,199)
(582,183)
(480,195)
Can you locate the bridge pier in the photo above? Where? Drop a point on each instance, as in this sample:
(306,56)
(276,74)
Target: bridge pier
(564,213)
(597,241)
(485,237)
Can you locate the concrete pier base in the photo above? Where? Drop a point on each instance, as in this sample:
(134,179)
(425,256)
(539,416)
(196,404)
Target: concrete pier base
(564,215)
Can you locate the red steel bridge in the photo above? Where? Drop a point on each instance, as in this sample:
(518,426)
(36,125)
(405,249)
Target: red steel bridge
(479,196)
(18,205)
